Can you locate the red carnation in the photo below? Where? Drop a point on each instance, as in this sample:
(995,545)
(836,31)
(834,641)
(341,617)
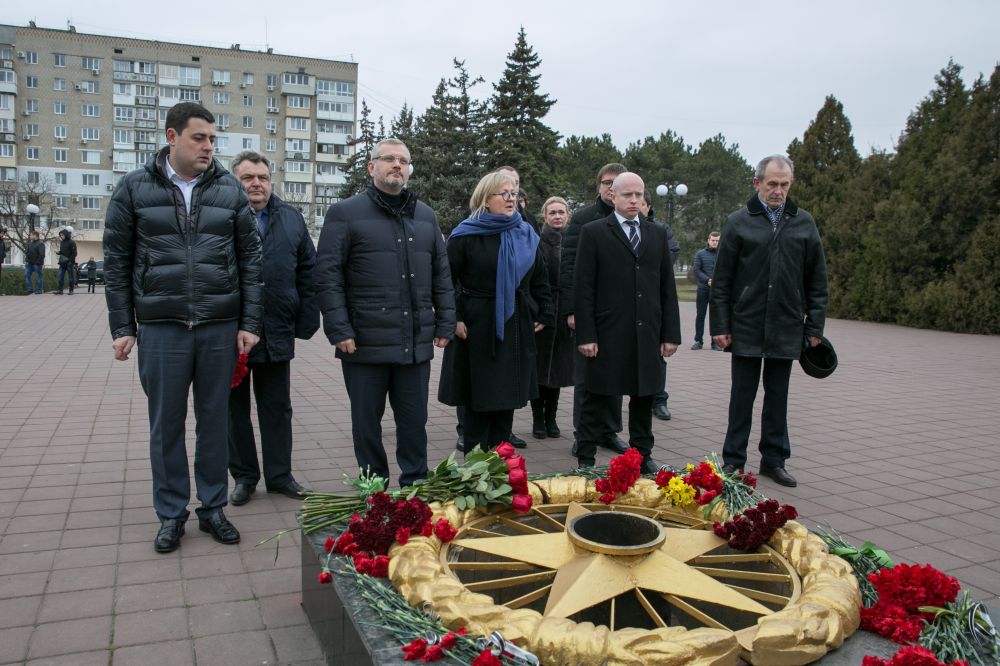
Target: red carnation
(663,477)
(426,529)
(240,372)
(486,658)
(343,541)
(444,531)
(911,655)
(414,650)
(402,535)
(448,640)
(433,653)
(329,543)
(325,577)
(379,567)
(706,497)
(505,450)
(518,479)
(521,503)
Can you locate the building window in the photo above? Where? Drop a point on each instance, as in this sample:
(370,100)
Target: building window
(60,200)
(247,144)
(59,84)
(89,87)
(271,125)
(220,77)
(60,132)
(146,67)
(295,188)
(190,76)
(124,114)
(122,89)
(170,71)
(94,64)
(90,133)
(298,102)
(7,76)
(222,121)
(6,102)
(32,177)
(333,107)
(168,95)
(296,79)
(333,127)
(59,59)
(190,95)
(247,122)
(298,124)
(91,180)
(31,105)
(31,129)
(247,78)
(90,156)
(91,203)
(220,97)
(31,57)
(123,135)
(59,155)
(272,104)
(247,100)
(59,108)
(298,167)
(145,113)
(6,150)
(31,153)
(145,90)
(270,145)
(91,224)
(272,81)
(6,125)
(90,110)
(30,81)
(221,143)
(8,174)
(297,145)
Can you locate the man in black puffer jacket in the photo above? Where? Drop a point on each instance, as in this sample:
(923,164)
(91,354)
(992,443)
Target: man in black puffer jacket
(290,311)
(182,269)
(768,292)
(387,299)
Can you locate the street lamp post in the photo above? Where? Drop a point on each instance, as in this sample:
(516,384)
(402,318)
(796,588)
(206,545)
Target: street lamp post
(32,210)
(668,192)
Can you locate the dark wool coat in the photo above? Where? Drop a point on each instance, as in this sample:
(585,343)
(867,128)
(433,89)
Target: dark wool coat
(382,278)
(769,287)
(556,344)
(567,267)
(482,372)
(291,309)
(627,304)
(162,264)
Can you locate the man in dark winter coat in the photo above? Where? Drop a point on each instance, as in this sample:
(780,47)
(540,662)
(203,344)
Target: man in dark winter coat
(182,259)
(34,257)
(703,268)
(769,293)
(627,317)
(290,310)
(599,210)
(387,300)
(67,260)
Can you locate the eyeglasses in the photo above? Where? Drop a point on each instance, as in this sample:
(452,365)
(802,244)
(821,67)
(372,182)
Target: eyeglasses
(607,183)
(508,196)
(391,159)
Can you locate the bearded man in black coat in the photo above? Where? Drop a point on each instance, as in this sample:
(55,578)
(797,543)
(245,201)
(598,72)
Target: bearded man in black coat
(627,318)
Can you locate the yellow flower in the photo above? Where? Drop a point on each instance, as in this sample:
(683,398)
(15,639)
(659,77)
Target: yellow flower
(680,493)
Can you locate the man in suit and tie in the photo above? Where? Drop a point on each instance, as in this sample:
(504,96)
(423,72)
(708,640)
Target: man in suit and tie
(626,318)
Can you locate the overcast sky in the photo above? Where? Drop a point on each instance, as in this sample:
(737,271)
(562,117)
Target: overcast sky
(755,72)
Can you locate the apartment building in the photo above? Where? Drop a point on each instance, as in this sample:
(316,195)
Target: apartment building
(79,111)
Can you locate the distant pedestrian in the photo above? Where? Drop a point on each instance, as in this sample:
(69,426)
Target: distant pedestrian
(91,276)
(67,260)
(3,247)
(703,268)
(34,257)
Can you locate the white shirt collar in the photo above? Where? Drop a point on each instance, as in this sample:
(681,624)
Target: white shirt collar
(173,175)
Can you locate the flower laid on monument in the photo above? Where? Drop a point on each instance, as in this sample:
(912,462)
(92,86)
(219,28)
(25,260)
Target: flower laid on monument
(911,655)
(622,474)
(754,527)
(240,372)
(902,591)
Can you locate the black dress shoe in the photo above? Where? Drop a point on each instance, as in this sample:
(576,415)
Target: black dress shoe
(517,442)
(779,475)
(241,494)
(731,469)
(575,448)
(292,489)
(661,412)
(220,528)
(169,536)
(614,443)
(649,466)
(551,429)
(538,430)
(460,444)
(697,345)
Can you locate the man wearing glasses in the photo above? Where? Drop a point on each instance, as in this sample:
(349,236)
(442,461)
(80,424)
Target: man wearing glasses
(387,300)
(599,210)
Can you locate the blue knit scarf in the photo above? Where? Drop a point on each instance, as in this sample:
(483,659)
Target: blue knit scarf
(518,244)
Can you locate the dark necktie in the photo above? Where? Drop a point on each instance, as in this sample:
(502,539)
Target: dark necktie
(633,235)
(260,222)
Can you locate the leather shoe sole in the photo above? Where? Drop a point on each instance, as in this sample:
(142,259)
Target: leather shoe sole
(292,490)
(731,469)
(661,412)
(241,494)
(517,442)
(649,467)
(219,527)
(616,445)
(779,476)
(169,537)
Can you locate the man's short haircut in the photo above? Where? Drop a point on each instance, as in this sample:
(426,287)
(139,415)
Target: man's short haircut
(554,200)
(714,234)
(179,115)
(613,169)
(391,141)
(33,233)
(250,156)
(762,165)
(487,186)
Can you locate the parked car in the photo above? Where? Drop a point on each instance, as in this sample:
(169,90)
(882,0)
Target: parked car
(81,272)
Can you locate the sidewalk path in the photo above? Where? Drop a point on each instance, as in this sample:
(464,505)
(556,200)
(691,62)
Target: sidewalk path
(901,446)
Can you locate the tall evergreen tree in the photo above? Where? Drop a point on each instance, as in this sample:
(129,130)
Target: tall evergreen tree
(357,173)
(401,127)
(577,163)
(517,133)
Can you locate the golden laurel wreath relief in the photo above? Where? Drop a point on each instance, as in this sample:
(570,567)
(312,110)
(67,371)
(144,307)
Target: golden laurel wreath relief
(637,582)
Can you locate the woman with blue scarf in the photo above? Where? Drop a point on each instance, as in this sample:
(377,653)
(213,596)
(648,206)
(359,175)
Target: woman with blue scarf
(502,298)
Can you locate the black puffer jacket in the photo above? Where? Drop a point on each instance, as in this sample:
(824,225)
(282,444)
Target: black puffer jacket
(382,278)
(35,253)
(769,287)
(290,306)
(704,266)
(567,265)
(163,265)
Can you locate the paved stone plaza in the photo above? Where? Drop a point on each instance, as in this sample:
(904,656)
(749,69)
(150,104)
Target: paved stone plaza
(901,446)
